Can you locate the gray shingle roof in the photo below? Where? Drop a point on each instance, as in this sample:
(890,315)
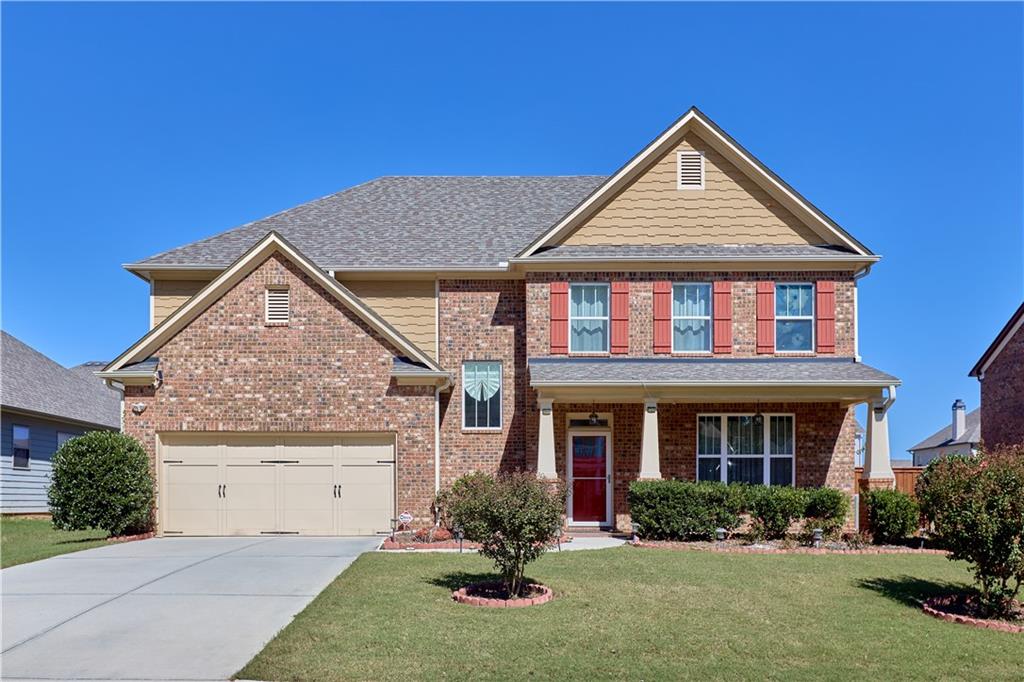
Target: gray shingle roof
(33,382)
(691,250)
(944,436)
(405,222)
(824,371)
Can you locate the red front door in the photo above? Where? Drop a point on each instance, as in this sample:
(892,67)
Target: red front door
(589,478)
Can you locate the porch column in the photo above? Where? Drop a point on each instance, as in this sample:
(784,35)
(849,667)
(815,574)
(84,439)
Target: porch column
(650,456)
(546,440)
(877,466)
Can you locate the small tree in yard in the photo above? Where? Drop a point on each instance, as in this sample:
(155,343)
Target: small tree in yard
(513,517)
(102,480)
(977,507)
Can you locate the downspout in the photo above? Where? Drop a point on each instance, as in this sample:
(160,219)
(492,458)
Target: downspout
(856,312)
(437,440)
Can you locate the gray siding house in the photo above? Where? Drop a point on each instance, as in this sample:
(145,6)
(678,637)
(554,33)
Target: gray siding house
(43,404)
(961,437)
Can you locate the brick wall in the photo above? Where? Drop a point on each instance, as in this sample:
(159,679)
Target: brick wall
(1002,395)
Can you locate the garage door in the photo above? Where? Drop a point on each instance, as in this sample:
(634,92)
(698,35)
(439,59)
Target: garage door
(322,484)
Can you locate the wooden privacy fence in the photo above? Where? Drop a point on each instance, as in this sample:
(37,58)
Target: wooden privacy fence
(906,478)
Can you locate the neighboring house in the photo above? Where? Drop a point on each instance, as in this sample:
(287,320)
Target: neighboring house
(43,404)
(1001,373)
(961,437)
(331,367)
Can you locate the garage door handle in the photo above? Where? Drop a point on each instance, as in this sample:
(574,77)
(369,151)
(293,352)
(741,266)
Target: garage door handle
(224,490)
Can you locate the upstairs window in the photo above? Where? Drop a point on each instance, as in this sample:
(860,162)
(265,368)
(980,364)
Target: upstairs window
(794,317)
(481,395)
(691,318)
(20,437)
(588,318)
(690,170)
(278,305)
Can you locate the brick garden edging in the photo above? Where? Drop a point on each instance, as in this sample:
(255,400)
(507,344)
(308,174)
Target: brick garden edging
(462,596)
(392,545)
(930,607)
(131,538)
(732,549)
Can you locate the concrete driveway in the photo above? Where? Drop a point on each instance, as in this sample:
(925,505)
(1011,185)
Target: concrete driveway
(161,609)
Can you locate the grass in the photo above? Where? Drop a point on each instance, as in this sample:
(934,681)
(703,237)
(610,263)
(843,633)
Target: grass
(24,539)
(630,613)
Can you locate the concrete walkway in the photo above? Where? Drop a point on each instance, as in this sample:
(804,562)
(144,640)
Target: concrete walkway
(161,609)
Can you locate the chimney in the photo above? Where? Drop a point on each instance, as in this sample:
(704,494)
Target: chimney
(959,418)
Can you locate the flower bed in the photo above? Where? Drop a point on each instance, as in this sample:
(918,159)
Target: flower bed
(131,538)
(494,595)
(407,541)
(740,547)
(957,609)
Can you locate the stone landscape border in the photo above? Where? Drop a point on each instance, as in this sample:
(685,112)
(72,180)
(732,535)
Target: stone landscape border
(462,596)
(732,549)
(933,607)
(131,538)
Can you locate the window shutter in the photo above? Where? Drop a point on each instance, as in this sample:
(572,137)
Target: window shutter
(825,310)
(620,317)
(722,310)
(766,317)
(277,306)
(663,317)
(690,166)
(558,329)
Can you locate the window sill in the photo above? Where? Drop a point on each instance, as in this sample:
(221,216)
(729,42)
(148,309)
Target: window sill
(586,354)
(488,429)
(275,324)
(693,353)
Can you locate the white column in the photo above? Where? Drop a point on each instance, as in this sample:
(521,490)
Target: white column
(546,440)
(877,464)
(650,456)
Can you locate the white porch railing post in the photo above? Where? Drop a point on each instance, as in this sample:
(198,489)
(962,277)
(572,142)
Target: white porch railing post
(546,440)
(650,455)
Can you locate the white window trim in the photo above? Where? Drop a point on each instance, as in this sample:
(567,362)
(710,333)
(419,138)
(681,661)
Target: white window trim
(266,305)
(607,318)
(710,318)
(28,460)
(723,455)
(814,312)
(501,396)
(679,161)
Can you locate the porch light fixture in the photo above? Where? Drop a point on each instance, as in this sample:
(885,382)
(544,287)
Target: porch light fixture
(758,417)
(817,537)
(593,419)
(720,534)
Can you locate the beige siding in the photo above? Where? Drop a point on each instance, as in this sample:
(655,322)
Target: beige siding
(731,209)
(409,306)
(171,294)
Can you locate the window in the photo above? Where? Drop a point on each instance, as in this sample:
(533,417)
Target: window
(277,305)
(690,170)
(588,318)
(64,438)
(794,317)
(20,446)
(481,395)
(691,318)
(745,448)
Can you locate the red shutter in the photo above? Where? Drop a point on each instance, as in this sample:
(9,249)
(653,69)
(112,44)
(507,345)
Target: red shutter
(722,310)
(825,312)
(766,317)
(559,326)
(620,317)
(663,317)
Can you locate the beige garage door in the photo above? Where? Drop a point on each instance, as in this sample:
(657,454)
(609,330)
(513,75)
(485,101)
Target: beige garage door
(263,484)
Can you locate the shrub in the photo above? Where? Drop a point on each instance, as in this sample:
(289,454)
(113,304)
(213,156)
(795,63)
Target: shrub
(826,508)
(774,508)
(513,517)
(976,506)
(892,515)
(102,480)
(460,492)
(682,510)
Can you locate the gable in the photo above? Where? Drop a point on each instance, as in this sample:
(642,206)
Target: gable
(731,209)
(409,305)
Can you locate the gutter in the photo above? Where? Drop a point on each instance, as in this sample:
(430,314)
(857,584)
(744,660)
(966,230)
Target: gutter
(711,384)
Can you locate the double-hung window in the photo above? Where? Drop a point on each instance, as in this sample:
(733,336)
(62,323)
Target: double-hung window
(794,317)
(20,448)
(691,318)
(746,448)
(481,395)
(588,318)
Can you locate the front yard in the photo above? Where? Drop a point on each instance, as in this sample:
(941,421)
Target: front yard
(632,613)
(26,539)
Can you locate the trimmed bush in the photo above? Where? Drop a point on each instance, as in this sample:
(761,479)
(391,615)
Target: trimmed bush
(826,508)
(102,480)
(892,515)
(773,509)
(976,506)
(684,510)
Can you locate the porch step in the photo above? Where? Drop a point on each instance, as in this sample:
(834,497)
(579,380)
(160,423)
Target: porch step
(590,532)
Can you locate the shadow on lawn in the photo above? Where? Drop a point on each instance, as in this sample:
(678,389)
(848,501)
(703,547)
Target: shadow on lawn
(457,579)
(911,591)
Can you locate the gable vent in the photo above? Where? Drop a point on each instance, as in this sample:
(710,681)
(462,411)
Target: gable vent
(277,306)
(690,166)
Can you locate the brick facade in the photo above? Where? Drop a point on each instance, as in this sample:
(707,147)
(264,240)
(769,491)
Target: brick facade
(1002,395)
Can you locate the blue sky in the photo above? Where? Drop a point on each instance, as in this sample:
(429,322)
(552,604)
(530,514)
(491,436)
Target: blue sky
(132,128)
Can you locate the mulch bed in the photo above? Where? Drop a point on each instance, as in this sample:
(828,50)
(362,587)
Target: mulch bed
(959,608)
(741,547)
(131,538)
(403,543)
(494,595)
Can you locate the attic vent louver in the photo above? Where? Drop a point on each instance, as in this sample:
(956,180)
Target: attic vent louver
(277,306)
(690,166)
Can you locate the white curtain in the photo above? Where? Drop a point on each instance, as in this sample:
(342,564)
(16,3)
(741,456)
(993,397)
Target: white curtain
(482,380)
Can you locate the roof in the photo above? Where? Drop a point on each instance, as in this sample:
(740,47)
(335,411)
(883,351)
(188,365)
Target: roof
(1002,338)
(944,436)
(398,222)
(706,371)
(693,251)
(34,383)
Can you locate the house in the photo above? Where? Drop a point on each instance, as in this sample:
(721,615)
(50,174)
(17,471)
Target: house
(1000,370)
(43,404)
(329,368)
(961,437)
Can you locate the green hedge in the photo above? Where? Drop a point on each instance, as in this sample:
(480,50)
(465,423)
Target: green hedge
(892,515)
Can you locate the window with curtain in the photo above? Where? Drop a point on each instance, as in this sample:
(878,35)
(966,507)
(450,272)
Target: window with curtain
(588,318)
(481,395)
(794,317)
(691,318)
(20,438)
(745,448)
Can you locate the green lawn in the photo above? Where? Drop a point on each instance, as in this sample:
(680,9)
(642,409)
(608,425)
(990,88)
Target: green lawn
(24,540)
(636,614)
